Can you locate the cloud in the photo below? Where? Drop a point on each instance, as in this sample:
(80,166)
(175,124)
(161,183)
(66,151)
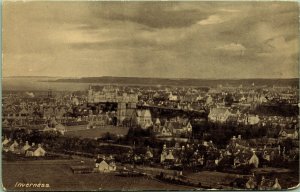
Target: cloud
(213,19)
(229,10)
(157,15)
(233,47)
(162,39)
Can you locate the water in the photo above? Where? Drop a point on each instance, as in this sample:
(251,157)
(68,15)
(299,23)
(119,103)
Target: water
(40,84)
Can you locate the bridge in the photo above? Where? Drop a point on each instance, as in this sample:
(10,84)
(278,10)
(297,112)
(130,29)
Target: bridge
(162,109)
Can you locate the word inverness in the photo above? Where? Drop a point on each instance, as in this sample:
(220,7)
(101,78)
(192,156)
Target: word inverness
(32,185)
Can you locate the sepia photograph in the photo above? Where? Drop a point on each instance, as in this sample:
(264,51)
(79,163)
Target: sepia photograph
(150,95)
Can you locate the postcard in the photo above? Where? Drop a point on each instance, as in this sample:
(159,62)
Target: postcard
(150,95)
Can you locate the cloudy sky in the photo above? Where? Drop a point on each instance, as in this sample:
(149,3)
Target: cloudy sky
(151,39)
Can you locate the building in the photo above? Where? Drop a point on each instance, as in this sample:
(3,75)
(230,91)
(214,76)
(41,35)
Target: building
(254,160)
(25,148)
(252,119)
(288,133)
(144,118)
(110,94)
(103,166)
(220,114)
(35,151)
(10,146)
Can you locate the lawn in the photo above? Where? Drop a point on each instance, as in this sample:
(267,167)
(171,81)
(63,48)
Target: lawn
(58,174)
(60,177)
(97,132)
(212,178)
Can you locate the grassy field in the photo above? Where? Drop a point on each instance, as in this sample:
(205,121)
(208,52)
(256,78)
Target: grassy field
(76,127)
(97,132)
(60,177)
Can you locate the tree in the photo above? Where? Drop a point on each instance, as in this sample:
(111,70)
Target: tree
(288,144)
(228,100)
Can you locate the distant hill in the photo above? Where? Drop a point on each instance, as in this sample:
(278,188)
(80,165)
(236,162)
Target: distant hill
(182,82)
(33,77)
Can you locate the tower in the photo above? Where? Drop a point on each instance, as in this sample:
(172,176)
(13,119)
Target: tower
(90,98)
(121,112)
(49,93)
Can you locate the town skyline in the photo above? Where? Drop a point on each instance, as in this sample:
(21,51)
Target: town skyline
(198,40)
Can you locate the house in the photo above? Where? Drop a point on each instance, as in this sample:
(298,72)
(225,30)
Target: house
(276,186)
(172,97)
(165,132)
(252,119)
(219,114)
(209,100)
(5,141)
(25,148)
(98,160)
(23,113)
(10,146)
(254,160)
(157,126)
(112,165)
(5,123)
(178,126)
(148,154)
(170,156)
(187,127)
(163,154)
(242,99)
(288,133)
(241,158)
(156,95)
(58,127)
(251,184)
(144,118)
(157,122)
(35,151)
(103,166)
(173,126)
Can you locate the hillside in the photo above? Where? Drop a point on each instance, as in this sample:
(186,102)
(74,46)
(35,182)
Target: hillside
(182,82)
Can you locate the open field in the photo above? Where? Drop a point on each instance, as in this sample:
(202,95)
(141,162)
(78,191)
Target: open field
(60,177)
(76,127)
(97,132)
(212,178)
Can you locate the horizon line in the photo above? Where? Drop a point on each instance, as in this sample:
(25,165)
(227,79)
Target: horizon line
(173,78)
